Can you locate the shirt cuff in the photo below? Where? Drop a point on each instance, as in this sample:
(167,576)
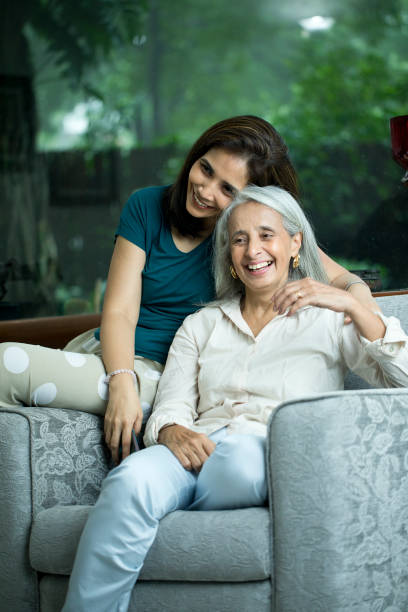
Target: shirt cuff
(155,424)
(394,339)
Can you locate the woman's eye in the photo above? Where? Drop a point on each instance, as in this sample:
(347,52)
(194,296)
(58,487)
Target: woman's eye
(230,191)
(205,168)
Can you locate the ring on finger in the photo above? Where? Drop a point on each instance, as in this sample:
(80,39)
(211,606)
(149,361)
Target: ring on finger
(299,295)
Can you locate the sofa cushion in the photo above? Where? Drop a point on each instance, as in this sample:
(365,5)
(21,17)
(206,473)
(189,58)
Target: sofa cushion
(238,539)
(175,597)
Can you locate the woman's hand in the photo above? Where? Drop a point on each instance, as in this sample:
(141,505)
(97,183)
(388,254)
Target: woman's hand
(308,292)
(119,318)
(123,413)
(191,449)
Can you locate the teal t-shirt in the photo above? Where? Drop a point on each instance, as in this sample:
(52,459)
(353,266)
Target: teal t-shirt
(174,284)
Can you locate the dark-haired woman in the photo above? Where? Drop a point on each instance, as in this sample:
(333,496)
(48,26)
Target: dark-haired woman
(160,272)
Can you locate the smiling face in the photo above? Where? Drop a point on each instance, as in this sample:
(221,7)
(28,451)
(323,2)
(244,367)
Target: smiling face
(213,181)
(260,247)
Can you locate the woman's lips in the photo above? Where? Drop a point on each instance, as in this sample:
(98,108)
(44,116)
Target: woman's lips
(259,268)
(199,203)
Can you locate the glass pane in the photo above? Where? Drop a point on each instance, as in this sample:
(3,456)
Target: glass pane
(100,98)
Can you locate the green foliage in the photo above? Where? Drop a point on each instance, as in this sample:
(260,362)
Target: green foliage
(80,34)
(185,65)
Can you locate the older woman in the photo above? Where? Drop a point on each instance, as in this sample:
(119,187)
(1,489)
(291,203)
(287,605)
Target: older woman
(229,366)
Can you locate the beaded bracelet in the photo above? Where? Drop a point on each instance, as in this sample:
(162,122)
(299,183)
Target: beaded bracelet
(357,282)
(121,371)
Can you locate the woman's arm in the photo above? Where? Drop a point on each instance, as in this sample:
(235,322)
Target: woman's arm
(175,407)
(343,279)
(367,322)
(119,318)
(339,278)
(379,352)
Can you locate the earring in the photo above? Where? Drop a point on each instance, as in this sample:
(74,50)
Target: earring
(233,273)
(296,260)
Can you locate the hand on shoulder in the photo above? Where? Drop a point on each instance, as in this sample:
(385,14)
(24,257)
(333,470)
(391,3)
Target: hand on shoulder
(309,292)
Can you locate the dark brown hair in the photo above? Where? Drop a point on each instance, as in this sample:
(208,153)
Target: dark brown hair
(247,136)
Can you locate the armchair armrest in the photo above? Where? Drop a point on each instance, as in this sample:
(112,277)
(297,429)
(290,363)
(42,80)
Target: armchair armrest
(48,457)
(337,476)
(53,332)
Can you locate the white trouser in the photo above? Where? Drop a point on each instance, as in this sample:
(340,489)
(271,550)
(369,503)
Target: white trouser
(137,494)
(32,375)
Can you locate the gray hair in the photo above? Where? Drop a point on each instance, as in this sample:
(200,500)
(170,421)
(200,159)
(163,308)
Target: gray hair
(293,219)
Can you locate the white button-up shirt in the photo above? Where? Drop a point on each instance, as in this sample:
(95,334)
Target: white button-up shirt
(219,374)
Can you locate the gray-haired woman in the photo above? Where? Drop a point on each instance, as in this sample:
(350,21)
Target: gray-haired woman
(229,366)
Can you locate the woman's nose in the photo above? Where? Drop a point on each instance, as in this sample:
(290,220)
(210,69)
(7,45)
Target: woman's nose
(206,190)
(253,248)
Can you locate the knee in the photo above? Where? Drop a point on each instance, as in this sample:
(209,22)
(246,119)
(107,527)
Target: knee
(121,488)
(14,357)
(138,479)
(239,469)
(131,474)
(243,456)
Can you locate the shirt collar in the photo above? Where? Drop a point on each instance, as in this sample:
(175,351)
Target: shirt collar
(232,309)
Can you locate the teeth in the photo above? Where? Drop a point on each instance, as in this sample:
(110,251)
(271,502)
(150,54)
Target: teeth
(199,202)
(258,266)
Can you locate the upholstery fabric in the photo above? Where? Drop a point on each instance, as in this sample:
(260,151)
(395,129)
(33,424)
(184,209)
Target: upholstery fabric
(338,477)
(18,582)
(186,597)
(48,457)
(69,459)
(52,592)
(338,534)
(177,553)
(202,597)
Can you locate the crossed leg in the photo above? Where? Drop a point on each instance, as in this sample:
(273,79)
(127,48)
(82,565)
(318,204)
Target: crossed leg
(137,494)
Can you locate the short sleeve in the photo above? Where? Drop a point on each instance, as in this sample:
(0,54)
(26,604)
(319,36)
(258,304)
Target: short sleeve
(141,217)
(133,221)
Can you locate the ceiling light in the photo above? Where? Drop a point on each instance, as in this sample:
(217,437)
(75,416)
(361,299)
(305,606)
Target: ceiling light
(316,23)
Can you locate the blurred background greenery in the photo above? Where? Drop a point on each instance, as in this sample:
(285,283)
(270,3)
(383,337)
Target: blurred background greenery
(100,97)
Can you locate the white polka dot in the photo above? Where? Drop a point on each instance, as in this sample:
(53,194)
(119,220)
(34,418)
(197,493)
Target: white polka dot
(44,394)
(103,389)
(75,359)
(15,359)
(152,374)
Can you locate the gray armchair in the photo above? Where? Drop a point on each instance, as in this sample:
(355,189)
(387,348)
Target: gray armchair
(333,538)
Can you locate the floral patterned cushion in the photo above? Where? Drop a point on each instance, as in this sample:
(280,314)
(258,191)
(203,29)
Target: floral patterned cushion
(69,457)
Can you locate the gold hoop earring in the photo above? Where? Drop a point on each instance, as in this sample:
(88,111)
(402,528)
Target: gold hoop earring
(296,261)
(233,273)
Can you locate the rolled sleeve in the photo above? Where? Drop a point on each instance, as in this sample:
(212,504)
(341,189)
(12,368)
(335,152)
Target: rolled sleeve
(383,362)
(394,341)
(177,394)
